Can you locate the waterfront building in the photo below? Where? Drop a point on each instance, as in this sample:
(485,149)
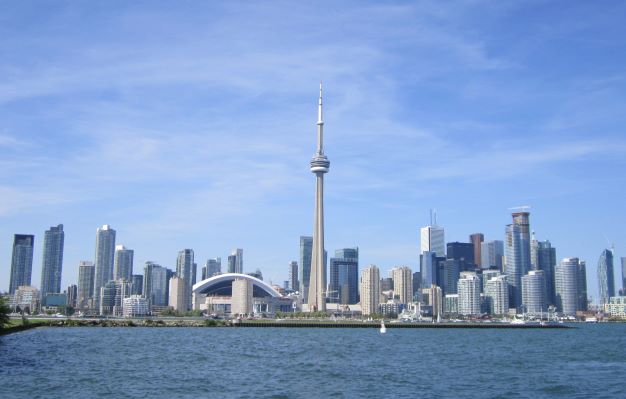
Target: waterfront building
(21,261)
(487,274)
(432,239)
(319,166)
(391,308)
(477,239)
(566,286)
(235,261)
(136,306)
(435,300)
(402,284)
(52,262)
(546,261)
(72,295)
(606,280)
(154,285)
(184,270)
(293,282)
(451,304)
(137,280)
(54,302)
(581,277)
(241,297)
(491,254)
(112,296)
(534,298)
(86,281)
(104,259)
(462,252)
(123,262)
(469,294)
(26,297)
(177,294)
(497,294)
(517,253)
(428,268)
(343,285)
(370,290)
(616,307)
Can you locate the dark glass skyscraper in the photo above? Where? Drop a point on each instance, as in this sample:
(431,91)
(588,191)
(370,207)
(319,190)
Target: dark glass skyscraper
(52,263)
(606,279)
(463,252)
(477,239)
(546,261)
(343,284)
(306,251)
(22,261)
(428,268)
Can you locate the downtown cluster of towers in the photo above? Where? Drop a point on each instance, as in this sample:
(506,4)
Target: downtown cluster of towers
(109,279)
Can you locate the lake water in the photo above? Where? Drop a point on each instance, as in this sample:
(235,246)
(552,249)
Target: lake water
(589,361)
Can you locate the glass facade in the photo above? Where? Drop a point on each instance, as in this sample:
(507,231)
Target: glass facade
(52,263)
(606,278)
(343,285)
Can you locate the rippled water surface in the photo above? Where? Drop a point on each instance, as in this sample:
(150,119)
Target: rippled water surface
(589,361)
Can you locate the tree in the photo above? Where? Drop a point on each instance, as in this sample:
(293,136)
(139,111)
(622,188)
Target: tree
(4,313)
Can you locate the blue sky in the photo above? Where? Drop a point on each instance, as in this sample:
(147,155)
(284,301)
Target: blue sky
(191,125)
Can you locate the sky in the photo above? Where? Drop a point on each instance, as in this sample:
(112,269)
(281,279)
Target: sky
(192,124)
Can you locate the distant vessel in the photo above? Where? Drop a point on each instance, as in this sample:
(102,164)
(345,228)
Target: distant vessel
(591,320)
(518,321)
(383,329)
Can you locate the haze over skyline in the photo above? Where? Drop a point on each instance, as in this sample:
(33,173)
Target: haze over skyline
(192,126)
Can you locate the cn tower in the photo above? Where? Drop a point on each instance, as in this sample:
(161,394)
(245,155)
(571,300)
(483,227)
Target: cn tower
(319,166)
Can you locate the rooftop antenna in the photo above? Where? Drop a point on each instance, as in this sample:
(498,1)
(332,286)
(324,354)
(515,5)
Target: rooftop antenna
(435,214)
(431,216)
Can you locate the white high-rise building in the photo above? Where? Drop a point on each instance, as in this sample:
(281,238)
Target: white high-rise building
(566,286)
(136,305)
(433,240)
(241,297)
(534,299)
(497,292)
(370,290)
(403,284)
(469,294)
(105,254)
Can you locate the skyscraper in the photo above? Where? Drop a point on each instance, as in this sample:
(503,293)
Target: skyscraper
(343,285)
(534,292)
(491,253)
(463,252)
(22,261)
(428,269)
(212,267)
(235,261)
(546,260)
(294,284)
(177,294)
(105,255)
(154,284)
(581,291)
(477,239)
(606,279)
(184,266)
(469,294)
(86,280)
(137,280)
(52,263)
(370,290)
(566,285)
(403,284)
(319,166)
(517,252)
(306,251)
(623,275)
(432,239)
(449,271)
(123,262)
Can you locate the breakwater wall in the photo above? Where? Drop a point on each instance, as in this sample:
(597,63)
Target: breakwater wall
(323,324)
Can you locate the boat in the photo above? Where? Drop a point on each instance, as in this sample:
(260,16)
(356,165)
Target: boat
(383,329)
(517,321)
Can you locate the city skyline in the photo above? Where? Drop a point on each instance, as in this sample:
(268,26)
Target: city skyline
(87,130)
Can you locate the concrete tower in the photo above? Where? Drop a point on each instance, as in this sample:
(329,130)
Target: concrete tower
(319,166)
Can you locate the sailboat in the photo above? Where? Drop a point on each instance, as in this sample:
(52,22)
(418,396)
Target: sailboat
(383,329)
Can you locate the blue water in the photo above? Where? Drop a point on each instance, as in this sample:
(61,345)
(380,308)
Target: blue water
(589,361)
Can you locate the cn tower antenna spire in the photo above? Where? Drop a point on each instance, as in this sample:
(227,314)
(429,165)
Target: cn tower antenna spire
(320,125)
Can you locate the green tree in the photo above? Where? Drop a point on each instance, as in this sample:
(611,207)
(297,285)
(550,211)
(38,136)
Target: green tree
(4,313)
